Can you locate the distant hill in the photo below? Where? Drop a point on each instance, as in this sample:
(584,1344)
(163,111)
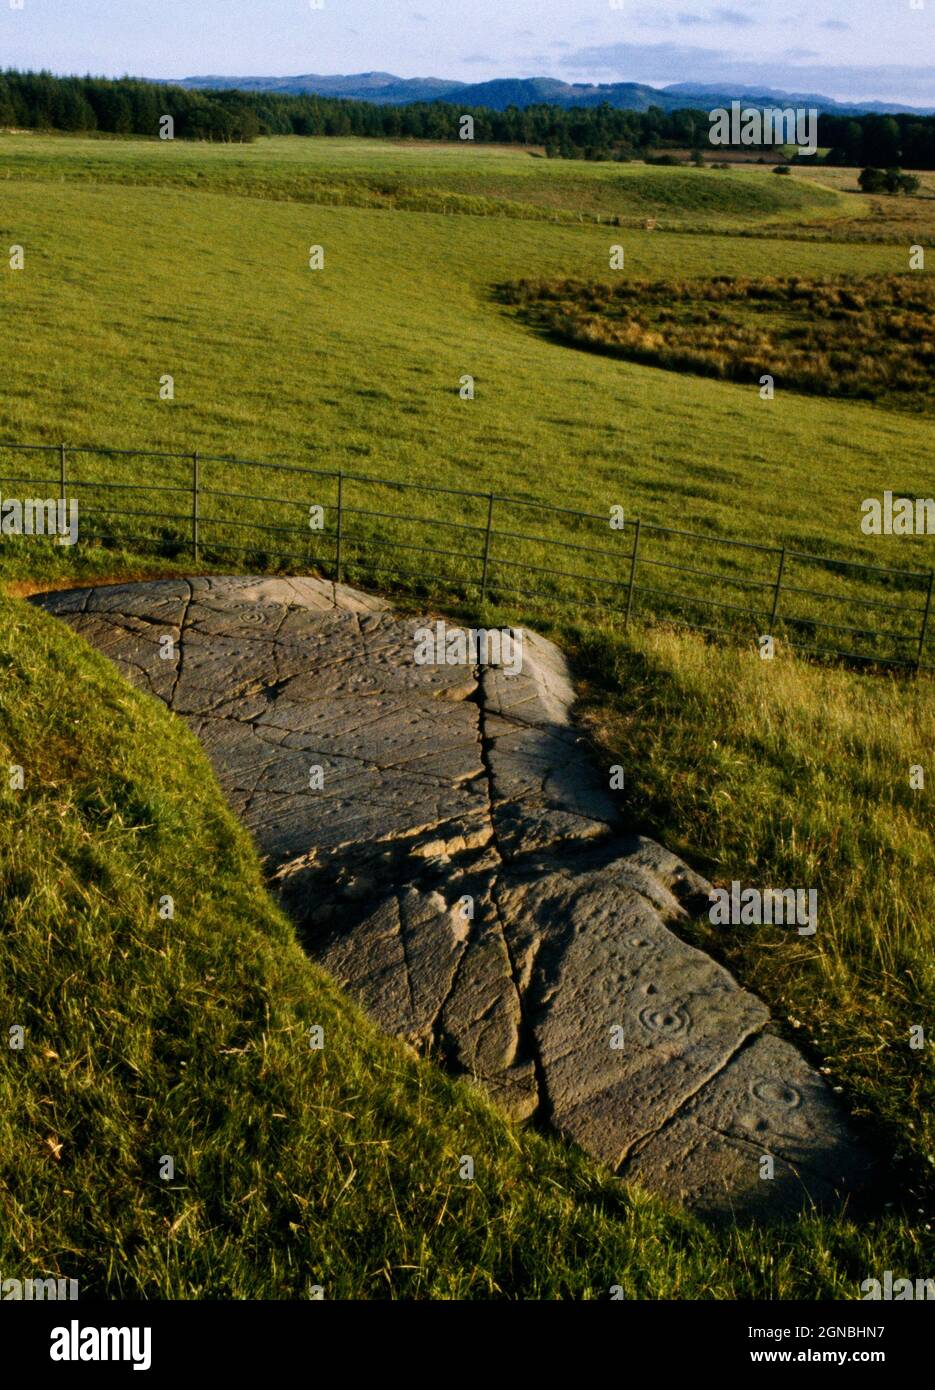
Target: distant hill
(382,88)
(385,89)
(714,95)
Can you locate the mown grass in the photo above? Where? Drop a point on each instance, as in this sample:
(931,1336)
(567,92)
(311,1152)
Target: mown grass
(294,1168)
(868,339)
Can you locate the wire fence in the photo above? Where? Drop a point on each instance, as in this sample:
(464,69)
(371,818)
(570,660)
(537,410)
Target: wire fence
(356,527)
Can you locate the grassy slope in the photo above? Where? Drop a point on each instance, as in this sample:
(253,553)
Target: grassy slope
(293,1167)
(489,179)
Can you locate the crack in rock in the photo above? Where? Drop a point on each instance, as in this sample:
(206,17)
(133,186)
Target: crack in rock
(463,873)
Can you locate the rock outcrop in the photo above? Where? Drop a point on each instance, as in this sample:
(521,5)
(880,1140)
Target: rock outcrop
(445,842)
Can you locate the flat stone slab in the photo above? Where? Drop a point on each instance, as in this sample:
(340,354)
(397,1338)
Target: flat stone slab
(451,853)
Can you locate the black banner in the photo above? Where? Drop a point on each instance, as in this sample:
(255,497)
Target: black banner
(253,1339)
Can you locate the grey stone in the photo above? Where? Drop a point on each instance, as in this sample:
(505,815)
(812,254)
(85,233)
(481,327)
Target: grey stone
(766,1103)
(629,1020)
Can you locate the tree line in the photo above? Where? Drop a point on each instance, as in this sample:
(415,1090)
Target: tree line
(129,106)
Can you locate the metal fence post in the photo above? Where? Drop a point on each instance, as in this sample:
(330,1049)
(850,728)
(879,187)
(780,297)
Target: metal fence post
(340,524)
(483,582)
(195,488)
(772,616)
(633,558)
(923,639)
(925,617)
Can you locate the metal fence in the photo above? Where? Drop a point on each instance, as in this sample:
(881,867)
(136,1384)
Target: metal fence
(494,551)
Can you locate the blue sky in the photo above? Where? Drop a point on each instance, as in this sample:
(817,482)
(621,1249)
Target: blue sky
(868,49)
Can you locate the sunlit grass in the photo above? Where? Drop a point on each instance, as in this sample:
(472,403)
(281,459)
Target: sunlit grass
(779,774)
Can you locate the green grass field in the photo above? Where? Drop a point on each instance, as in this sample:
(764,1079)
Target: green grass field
(358,366)
(145,260)
(123,284)
(488,179)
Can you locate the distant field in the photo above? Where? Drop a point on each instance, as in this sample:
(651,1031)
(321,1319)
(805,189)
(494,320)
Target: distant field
(488,180)
(362,360)
(870,218)
(358,366)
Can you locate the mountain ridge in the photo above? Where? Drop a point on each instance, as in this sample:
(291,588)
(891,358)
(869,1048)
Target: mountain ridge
(386,89)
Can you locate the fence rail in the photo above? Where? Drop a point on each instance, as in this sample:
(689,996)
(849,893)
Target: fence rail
(799,595)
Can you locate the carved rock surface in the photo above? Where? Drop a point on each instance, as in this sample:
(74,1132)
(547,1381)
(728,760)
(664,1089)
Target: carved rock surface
(449,851)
